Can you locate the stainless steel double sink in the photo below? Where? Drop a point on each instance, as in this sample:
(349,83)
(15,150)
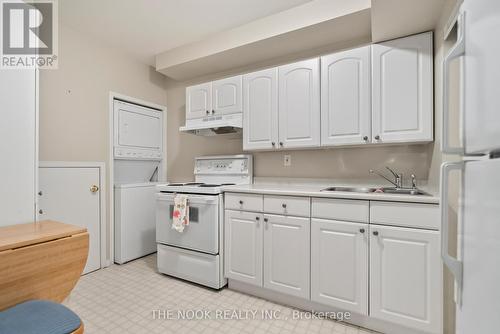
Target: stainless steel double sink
(388,190)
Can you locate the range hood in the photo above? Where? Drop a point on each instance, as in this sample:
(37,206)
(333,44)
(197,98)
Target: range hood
(231,124)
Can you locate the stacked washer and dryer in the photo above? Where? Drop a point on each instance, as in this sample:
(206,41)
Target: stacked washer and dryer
(138,167)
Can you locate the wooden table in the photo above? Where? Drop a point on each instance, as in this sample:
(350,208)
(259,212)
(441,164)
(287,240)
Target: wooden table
(41,260)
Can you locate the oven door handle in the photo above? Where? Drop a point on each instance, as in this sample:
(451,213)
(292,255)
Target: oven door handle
(193,199)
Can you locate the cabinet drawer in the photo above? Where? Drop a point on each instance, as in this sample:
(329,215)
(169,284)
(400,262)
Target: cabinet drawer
(405,214)
(246,202)
(341,209)
(287,205)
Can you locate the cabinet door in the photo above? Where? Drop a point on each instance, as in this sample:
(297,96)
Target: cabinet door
(299,111)
(260,110)
(243,247)
(199,100)
(286,255)
(345,98)
(402,90)
(339,264)
(226,95)
(406,277)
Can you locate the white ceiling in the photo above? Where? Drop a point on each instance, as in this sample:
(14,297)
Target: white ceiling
(145,28)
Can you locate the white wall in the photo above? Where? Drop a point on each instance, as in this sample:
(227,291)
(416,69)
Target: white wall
(74,99)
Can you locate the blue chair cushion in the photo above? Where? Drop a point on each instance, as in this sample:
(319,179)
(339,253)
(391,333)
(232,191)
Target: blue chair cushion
(38,317)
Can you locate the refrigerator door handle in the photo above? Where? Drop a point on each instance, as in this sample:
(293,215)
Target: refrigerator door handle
(456,51)
(455,266)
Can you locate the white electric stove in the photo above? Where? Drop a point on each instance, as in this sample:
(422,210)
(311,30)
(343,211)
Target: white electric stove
(196,254)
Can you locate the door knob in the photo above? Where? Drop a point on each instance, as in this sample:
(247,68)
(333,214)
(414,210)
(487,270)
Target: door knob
(40,193)
(241,202)
(362,230)
(257,218)
(377,137)
(283,206)
(40,211)
(94,188)
(375,233)
(273,143)
(365,138)
(213,111)
(281,143)
(266,220)
(208,112)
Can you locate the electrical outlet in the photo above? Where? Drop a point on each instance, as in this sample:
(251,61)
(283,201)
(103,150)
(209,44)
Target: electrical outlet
(287,160)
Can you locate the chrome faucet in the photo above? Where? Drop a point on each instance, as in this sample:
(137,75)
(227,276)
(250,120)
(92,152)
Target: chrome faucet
(398,178)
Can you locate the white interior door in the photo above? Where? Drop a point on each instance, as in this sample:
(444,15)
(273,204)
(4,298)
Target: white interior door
(405,277)
(287,255)
(199,100)
(67,196)
(299,104)
(260,110)
(346,97)
(339,264)
(18,144)
(402,90)
(226,95)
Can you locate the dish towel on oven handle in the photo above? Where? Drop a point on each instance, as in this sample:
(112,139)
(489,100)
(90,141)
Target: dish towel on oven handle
(180,215)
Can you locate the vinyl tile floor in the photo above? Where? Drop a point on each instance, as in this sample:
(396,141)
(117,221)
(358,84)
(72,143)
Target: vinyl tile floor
(135,298)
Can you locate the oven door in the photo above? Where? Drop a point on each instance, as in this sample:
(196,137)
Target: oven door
(202,233)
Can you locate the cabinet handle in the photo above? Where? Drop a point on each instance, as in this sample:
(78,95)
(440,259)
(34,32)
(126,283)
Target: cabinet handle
(362,230)
(213,111)
(377,137)
(257,218)
(241,202)
(375,233)
(40,211)
(283,206)
(208,112)
(40,193)
(281,143)
(273,143)
(365,138)
(265,220)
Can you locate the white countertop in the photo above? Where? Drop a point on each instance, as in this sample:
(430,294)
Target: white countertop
(314,190)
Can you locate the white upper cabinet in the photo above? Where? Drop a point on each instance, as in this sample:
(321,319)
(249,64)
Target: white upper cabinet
(199,100)
(287,255)
(406,277)
(260,110)
(299,104)
(226,96)
(243,247)
(339,264)
(402,90)
(346,98)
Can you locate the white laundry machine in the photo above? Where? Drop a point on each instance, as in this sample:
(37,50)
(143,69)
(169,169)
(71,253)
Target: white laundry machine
(135,220)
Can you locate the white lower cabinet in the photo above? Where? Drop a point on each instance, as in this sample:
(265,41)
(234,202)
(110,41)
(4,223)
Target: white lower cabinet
(287,254)
(339,264)
(405,277)
(243,246)
(388,273)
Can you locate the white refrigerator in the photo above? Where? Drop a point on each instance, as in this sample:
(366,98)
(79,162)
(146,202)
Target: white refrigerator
(477,266)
